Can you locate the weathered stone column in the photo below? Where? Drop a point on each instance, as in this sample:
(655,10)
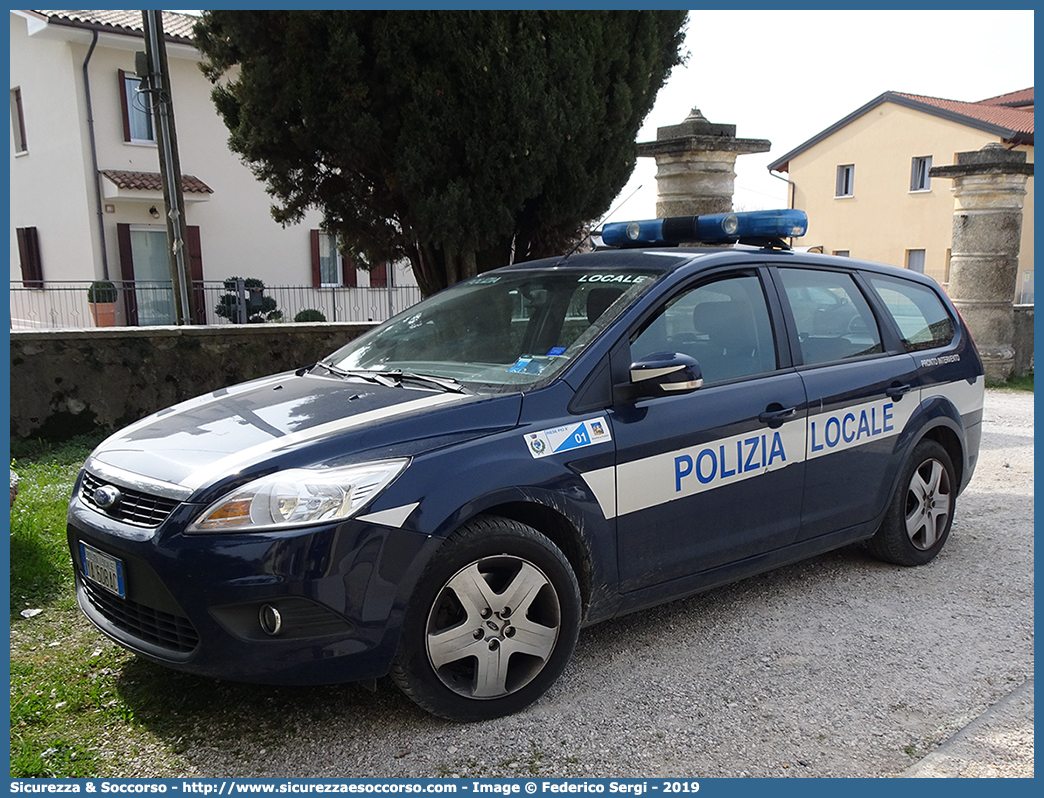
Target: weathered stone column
(695,165)
(989,187)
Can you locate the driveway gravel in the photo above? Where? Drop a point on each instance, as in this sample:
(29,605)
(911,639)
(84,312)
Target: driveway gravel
(837,666)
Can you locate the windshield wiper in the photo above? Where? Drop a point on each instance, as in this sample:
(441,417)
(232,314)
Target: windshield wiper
(393,378)
(369,376)
(445,383)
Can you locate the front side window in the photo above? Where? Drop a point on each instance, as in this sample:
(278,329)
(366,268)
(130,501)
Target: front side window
(137,111)
(834,321)
(724,325)
(500,330)
(919,313)
(919,178)
(845,181)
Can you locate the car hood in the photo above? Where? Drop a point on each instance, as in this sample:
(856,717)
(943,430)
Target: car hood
(297,420)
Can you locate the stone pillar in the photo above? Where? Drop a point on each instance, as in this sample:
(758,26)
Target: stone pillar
(695,165)
(989,186)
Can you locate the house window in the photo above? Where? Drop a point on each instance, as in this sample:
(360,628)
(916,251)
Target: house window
(18,121)
(845,180)
(29,255)
(137,111)
(915,260)
(329,267)
(843,253)
(919,179)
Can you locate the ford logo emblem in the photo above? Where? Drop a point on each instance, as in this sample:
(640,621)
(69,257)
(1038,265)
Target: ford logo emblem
(107,497)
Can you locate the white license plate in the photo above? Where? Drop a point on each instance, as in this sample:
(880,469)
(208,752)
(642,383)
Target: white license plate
(102,569)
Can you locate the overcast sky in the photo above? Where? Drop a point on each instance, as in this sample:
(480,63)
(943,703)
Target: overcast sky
(786,75)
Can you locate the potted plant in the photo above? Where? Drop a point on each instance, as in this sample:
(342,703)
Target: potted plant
(102,298)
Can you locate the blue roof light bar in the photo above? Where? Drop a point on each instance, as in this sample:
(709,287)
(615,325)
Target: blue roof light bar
(716,228)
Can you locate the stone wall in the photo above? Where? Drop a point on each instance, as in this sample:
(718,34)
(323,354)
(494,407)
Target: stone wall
(1023,340)
(67,382)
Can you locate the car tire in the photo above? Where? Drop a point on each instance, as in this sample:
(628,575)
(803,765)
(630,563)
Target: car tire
(465,653)
(921,511)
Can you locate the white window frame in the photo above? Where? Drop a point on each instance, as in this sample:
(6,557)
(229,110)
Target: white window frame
(338,258)
(18,122)
(920,180)
(136,108)
(845,183)
(916,258)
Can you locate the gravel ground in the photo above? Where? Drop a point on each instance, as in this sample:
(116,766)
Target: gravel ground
(838,666)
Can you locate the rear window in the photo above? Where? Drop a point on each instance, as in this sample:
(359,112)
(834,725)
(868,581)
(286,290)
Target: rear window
(923,320)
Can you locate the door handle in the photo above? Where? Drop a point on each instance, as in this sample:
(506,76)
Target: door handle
(897,392)
(775,415)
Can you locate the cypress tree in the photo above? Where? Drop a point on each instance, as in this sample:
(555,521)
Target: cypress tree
(461,140)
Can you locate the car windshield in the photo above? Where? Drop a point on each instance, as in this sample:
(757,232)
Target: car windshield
(502,330)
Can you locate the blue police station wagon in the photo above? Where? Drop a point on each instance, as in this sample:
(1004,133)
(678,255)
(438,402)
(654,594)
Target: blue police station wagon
(451,496)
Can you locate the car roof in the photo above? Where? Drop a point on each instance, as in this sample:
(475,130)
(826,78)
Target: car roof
(663,260)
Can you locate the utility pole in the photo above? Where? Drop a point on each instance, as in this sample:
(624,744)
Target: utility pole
(155,74)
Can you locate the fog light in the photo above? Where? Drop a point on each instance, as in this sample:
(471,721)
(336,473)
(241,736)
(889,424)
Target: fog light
(271,620)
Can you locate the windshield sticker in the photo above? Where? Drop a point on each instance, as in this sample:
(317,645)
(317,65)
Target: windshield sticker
(569,437)
(485,280)
(526,365)
(614,278)
(555,351)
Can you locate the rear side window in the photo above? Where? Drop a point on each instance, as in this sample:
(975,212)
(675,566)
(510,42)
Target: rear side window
(834,320)
(918,311)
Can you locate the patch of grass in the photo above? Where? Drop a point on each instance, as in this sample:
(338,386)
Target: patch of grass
(40,564)
(81,706)
(1024,383)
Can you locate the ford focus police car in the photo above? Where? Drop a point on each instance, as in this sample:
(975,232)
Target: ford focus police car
(451,496)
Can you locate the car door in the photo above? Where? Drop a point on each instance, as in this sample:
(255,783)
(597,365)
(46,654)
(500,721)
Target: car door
(713,476)
(861,392)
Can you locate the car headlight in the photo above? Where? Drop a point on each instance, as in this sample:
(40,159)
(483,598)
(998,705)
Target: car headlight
(298,497)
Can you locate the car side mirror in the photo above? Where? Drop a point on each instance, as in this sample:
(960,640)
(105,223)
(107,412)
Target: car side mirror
(662,374)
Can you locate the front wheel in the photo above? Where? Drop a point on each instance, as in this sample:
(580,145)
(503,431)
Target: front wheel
(492,624)
(918,520)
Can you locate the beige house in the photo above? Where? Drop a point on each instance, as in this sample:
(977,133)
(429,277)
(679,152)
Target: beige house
(86,197)
(865,185)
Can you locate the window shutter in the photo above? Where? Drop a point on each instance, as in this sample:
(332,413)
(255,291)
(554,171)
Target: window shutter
(127,271)
(125,106)
(379,276)
(29,254)
(349,276)
(198,295)
(317,277)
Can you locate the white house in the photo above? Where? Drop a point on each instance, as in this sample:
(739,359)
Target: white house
(86,196)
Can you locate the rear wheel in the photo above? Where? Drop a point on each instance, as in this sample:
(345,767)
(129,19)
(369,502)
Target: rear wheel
(919,517)
(492,624)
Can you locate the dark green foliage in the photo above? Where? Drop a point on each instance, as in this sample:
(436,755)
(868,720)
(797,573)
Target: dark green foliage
(256,307)
(461,140)
(101,291)
(311,314)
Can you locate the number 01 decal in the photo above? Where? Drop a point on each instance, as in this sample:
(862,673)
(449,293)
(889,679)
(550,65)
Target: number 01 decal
(571,436)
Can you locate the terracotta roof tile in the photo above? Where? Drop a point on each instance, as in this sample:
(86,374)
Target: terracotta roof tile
(1013,118)
(1013,99)
(995,115)
(151,181)
(176,27)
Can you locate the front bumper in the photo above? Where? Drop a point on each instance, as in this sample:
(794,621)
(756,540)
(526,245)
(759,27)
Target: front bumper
(195,602)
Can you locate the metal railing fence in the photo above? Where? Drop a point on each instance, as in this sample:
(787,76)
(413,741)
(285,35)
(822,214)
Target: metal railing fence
(63,304)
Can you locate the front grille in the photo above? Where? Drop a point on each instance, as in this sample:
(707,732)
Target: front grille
(134,507)
(174,632)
